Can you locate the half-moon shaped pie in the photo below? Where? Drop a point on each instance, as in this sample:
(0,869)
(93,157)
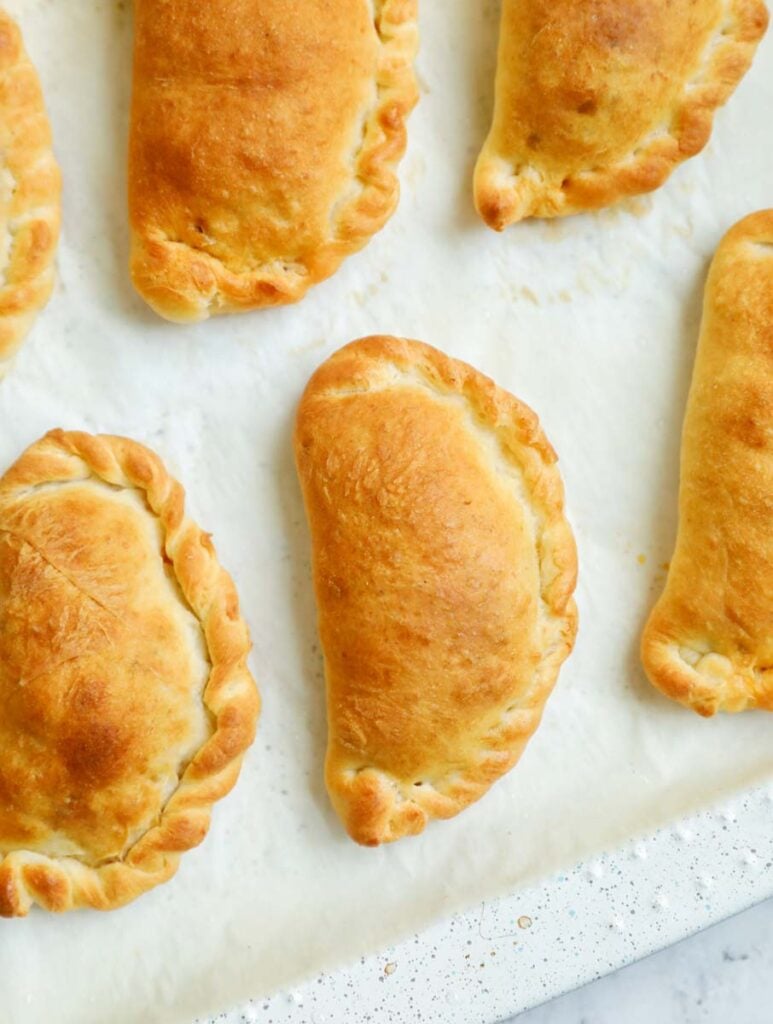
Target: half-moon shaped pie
(30,189)
(125,699)
(709,640)
(444,569)
(265,136)
(601,99)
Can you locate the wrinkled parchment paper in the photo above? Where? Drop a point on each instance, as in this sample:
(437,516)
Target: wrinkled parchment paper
(593,321)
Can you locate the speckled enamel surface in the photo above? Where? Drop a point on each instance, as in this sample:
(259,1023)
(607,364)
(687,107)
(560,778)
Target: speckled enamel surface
(506,956)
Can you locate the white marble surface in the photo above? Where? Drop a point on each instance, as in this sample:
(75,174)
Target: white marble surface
(724,973)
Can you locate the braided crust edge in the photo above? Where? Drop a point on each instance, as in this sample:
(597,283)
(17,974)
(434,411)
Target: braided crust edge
(501,199)
(186,285)
(35,204)
(375,806)
(230,694)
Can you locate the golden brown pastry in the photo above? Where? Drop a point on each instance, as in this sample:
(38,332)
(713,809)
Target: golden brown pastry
(601,99)
(709,640)
(125,699)
(444,569)
(29,194)
(264,143)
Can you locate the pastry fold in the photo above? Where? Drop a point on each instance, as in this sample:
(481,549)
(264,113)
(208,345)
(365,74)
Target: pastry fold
(265,136)
(601,99)
(709,639)
(30,194)
(444,569)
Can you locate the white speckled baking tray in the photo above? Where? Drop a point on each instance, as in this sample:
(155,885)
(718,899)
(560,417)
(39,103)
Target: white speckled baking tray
(593,322)
(505,956)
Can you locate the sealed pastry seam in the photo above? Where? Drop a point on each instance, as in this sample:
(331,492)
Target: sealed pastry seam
(185,283)
(30,187)
(706,680)
(227,692)
(377,805)
(506,192)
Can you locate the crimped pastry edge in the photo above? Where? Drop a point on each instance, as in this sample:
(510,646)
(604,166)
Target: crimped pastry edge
(28,279)
(528,194)
(186,285)
(375,806)
(661,651)
(230,695)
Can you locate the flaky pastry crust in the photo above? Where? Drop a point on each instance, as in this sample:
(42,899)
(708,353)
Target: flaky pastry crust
(30,188)
(444,569)
(709,639)
(602,99)
(126,704)
(264,145)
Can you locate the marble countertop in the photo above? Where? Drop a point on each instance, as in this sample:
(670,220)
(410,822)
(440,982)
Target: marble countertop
(724,973)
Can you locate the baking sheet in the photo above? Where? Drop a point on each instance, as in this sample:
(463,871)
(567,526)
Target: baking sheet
(504,956)
(592,321)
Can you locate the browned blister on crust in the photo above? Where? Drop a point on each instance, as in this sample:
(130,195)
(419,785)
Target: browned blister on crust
(126,704)
(30,188)
(444,569)
(602,99)
(709,639)
(264,145)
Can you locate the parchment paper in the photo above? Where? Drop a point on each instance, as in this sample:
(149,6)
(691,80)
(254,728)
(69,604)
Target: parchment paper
(592,320)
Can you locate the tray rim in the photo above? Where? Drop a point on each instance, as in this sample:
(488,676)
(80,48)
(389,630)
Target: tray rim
(506,956)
